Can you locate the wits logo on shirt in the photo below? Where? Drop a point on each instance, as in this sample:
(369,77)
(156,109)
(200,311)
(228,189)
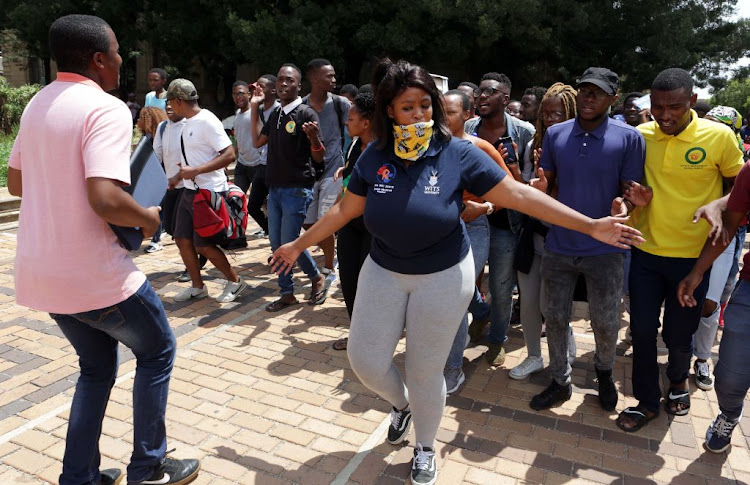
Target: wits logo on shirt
(433,188)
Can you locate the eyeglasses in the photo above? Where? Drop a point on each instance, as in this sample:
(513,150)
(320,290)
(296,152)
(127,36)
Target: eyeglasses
(489,91)
(595,93)
(554,116)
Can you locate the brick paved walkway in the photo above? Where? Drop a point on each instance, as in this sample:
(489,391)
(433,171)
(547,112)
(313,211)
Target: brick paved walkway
(262,398)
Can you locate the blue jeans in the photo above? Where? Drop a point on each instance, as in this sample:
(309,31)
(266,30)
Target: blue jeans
(287,208)
(141,324)
(502,278)
(732,373)
(479,237)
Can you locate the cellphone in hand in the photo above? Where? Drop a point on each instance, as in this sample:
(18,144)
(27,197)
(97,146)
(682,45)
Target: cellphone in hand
(507,142)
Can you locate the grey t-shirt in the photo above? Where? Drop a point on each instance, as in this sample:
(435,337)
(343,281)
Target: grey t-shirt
(247,154)
(330,132)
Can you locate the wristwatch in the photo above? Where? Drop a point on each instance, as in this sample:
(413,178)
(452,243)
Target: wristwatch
(490,208)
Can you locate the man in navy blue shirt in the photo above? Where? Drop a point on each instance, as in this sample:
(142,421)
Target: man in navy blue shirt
(590,160)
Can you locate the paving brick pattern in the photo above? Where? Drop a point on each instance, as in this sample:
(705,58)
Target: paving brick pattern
(262,398)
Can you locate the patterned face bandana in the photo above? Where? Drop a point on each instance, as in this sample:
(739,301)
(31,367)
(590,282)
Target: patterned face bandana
(411,141)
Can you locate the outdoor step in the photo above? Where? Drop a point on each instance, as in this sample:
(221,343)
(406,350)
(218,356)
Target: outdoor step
(9,203)
(9,216)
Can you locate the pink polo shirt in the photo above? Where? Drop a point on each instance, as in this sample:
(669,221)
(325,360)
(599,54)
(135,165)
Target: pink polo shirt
(68,259)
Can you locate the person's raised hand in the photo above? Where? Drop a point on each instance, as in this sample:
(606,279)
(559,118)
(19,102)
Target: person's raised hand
(312,130)
(613,231)
(257,96)
(283,259)
(540,183)
(638,195)
(619,209)
(152,226)
(685,289)
(537,157)
(711,212)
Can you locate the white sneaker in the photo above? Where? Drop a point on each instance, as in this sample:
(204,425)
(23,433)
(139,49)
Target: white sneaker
(191,293)
(232,290)
(529,365)
(153,247)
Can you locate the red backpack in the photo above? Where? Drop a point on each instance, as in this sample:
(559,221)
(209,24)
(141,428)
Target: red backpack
(211,218)
(216,218)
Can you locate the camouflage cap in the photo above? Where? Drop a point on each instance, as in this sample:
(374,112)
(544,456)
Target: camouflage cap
(182,89)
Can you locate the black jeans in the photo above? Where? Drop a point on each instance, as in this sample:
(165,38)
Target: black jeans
(353,246)
(243,175)
(653,281)
(258,195)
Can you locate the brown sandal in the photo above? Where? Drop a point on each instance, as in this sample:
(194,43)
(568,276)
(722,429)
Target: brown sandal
(340,344)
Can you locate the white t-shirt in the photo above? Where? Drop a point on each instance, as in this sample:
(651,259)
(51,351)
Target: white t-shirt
(204,137)
(167,148)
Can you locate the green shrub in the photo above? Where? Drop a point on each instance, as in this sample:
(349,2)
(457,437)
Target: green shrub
(6,143)
(12,102)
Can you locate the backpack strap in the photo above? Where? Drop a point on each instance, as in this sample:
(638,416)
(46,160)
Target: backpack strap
(162,127)
(184,157)
(338,102)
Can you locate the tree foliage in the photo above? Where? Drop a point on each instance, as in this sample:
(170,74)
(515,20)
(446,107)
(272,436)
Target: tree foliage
(735,94)
(533,41)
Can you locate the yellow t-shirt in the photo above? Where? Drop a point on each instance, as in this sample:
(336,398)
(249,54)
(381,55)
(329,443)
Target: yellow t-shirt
(685,172)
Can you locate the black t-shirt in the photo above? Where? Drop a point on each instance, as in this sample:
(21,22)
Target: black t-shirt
(289,160)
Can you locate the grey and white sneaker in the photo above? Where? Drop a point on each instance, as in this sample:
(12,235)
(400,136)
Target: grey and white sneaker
(232,290)
(528,366)
(191,293)
(184,277)
(719,433)
(703,377)
(423,467)
(453,379)
(399,428)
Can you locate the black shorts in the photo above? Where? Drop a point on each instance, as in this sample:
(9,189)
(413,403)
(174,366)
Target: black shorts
(183,227)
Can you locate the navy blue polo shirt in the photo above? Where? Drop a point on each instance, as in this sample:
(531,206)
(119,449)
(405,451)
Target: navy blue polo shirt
(590,167)
(413,213)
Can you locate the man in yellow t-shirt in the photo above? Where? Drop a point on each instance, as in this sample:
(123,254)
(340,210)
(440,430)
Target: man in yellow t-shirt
(688,161)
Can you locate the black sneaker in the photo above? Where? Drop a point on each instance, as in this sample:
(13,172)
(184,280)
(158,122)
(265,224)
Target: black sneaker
(554,394)
(110,476)
(172,472)
(399,428)
(703,377)
(423,467)
(607,390)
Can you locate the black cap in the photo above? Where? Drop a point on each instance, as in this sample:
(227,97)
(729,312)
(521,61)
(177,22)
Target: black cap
(602,77)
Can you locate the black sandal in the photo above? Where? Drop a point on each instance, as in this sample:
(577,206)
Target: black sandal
(340,344)
(318,297)
(639,417)
(680,401)
(278,305)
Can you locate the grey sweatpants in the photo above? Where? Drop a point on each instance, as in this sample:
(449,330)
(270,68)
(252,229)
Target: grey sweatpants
(430,307)
(603,275)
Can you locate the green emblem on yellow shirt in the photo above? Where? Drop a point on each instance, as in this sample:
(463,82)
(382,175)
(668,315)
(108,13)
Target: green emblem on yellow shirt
(290,126)
(695,155)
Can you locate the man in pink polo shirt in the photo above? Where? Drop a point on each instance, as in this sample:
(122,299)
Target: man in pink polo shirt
(69,262)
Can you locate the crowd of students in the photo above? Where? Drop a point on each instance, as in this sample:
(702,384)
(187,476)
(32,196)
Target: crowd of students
(424,189)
